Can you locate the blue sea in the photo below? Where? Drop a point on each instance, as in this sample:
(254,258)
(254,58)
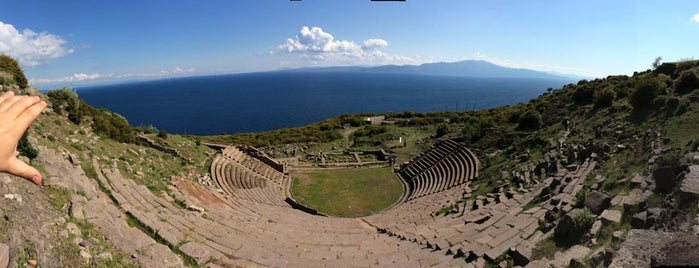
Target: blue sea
(235,103)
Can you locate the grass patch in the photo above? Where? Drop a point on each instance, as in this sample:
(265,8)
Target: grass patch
(133,222)
(682,129)
(58,197)
(347,192)
(545,248)
(89,232)
(25,253)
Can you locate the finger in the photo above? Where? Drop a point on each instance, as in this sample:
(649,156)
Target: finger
(6,95)
(22,104)
(28,116)
(21,169)
(8,103)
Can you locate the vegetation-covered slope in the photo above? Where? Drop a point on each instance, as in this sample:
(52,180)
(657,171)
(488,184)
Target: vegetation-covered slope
(619,119)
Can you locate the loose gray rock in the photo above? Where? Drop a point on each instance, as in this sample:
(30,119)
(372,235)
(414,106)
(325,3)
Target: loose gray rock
(639,220)
(611,215)
(73,229)
(646,248)
(690,184)
(563,227)
(104,256)
(5,179)
(597,202)
(85,255)
(601,257)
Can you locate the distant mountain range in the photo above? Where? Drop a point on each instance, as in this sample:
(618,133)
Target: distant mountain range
(472,68)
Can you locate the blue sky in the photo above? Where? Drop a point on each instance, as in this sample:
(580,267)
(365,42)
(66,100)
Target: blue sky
(71,42)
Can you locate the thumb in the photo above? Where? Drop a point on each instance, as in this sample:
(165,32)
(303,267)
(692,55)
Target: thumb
(21,169)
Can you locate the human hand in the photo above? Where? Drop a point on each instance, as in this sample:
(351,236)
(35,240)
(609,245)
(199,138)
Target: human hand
(16,114)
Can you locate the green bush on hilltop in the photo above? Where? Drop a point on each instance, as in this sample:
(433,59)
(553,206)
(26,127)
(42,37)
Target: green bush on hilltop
(10,65)
(529,120)
(113,125)
(647,89)
(66,100)
(687,82)
(104,122)
(442,130)
(583,94)
(604,97)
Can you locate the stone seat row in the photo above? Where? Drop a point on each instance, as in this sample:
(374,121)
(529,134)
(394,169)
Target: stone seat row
(287,238)
(445,165)
(239,182)
(495,226)
(254,164)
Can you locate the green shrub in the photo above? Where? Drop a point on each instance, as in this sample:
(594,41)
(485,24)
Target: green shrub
(673,105)
(113,125)
(687,63)
(579,225)
(604,97)
(530,119)
(10,65)
(472,131)
(682,107)
(77,146)
(442,130)
(687,82)
(669,159)
(351,120)
(580,197)
(6,81)
(25,148)
(369,130)
(647,89)
(583,220)
(63,99)
(583,94)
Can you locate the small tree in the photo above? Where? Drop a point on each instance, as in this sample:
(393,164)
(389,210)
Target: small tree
(656,63)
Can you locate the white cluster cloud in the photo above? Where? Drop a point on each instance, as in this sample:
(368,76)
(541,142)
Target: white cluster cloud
(315,40)
(31,48)
(695,18)
(83,77)
(321,47)
(374,43)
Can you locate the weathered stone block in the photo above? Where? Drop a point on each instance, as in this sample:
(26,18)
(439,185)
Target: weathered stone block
(664,178)
(597,202)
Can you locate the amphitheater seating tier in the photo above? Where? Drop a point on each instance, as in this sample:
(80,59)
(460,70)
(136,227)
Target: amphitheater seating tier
(250,224)
(246,177)
(445,165)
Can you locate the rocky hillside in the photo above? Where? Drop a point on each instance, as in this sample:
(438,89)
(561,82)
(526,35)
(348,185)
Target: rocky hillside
(636,207)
